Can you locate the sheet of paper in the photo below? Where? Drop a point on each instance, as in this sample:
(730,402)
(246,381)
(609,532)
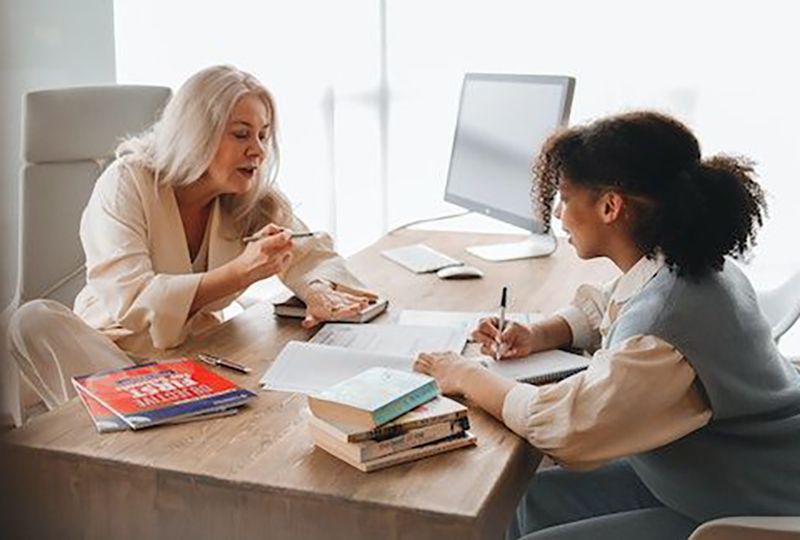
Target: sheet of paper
(392,339)
(309,367)
(465,320)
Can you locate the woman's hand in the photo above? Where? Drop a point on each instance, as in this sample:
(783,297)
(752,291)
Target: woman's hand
(323,303)
(516,341)
(448,368)
(265,257)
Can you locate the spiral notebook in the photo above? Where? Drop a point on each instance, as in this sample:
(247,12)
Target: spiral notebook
(539,368)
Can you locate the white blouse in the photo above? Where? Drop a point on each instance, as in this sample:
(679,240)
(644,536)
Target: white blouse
(635,397)
(141,281)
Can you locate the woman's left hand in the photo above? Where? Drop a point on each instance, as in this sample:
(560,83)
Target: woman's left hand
(448,368)
(323,303)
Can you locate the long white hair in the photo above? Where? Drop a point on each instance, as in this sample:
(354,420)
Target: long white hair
(180,146)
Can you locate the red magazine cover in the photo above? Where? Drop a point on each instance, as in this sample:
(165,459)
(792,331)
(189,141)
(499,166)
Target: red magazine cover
(158,392)
(107,422)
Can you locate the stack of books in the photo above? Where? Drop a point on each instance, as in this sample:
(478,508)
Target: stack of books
(150,394)
(384,417)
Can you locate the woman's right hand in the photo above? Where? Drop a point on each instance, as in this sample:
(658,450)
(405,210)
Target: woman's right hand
(265,257)
(516,341)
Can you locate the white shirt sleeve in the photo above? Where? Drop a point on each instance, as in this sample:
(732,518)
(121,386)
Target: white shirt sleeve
(315,259)
(637,397)
(114,233)
(585,314)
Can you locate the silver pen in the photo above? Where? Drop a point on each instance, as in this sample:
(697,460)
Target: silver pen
(214,360)
(293,235)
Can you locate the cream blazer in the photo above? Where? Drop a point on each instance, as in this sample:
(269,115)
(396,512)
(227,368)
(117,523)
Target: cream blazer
(139,281)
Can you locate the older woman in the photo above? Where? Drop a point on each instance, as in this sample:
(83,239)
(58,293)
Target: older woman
(164,236)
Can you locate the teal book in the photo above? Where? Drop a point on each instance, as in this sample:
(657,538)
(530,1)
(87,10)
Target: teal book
(373,397)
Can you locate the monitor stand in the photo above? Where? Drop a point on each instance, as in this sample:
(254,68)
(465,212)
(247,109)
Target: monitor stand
(536,245)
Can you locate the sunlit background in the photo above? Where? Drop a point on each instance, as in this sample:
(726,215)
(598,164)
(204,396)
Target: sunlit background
(367,90)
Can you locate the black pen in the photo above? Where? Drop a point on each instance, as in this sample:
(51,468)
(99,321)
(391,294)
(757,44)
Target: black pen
(501,323)
(222,362)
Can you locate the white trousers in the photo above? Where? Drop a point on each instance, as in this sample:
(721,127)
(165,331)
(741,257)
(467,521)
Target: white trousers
(50,344)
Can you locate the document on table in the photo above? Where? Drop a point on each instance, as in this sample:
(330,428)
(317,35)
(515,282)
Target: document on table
(467,321)
(392,339)
(339,351)
(310,367)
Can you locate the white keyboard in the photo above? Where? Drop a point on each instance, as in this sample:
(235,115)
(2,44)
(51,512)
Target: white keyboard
(420,259)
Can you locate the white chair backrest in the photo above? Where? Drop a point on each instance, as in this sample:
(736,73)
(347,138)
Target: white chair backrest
(781,305)
(69,137)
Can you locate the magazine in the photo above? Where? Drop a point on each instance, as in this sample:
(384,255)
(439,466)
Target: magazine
(158,392)
(107,422)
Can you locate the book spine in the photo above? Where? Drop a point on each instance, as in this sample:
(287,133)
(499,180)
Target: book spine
(459,440)
(416,437)
(387,432)
(77,382)
(405,403)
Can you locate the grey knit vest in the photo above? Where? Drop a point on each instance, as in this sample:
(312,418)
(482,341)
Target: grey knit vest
(746,460)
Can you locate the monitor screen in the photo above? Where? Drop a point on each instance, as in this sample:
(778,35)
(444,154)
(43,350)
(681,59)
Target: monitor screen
(503,120)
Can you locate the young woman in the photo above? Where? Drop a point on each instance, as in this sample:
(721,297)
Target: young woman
(163,234)
(687,412)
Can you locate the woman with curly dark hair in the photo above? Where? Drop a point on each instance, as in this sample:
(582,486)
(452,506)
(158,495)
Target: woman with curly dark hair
(687,411)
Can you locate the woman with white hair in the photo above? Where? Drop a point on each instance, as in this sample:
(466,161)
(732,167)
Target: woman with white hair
(164,236)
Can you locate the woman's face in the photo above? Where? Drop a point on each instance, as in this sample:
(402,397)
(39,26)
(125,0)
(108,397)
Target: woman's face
(581,214)
(241,149)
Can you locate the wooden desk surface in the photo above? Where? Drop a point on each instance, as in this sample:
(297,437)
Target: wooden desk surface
(257,473)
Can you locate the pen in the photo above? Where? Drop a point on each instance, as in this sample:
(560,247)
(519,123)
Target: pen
(222,362)
(259,236)
(501,323)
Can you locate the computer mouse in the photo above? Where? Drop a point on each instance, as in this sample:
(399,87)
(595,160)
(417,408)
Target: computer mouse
(459,272)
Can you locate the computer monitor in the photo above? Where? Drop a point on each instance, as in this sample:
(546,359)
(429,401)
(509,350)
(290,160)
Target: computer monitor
(503,120)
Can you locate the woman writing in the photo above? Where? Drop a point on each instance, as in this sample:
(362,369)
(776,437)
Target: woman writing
(163,235)
(687,412)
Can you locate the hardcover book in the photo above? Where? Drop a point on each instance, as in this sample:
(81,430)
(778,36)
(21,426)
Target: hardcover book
(150,394)
(373,397)
(460,440)
(438,410)
(373,449)
(295,308)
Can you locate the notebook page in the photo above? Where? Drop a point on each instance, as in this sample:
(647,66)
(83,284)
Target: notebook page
(465,320)
(539,367)
(392,339)
(309,367)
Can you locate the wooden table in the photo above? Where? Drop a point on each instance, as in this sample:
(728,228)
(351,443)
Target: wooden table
(257,474)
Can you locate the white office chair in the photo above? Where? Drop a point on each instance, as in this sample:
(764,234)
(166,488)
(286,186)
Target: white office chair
(749,528)
(69,136)
(781,305)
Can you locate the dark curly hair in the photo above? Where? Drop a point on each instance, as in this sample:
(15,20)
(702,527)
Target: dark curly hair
(694,211)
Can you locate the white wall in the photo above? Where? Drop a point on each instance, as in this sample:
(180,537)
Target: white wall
(43,44)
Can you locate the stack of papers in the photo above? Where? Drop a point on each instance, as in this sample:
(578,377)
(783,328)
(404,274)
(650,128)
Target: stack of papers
(341,351)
